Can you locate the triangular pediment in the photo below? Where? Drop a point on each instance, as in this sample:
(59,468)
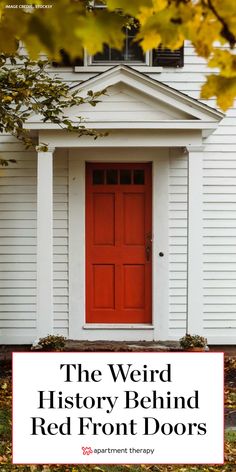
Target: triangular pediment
(124,103)
(134,100)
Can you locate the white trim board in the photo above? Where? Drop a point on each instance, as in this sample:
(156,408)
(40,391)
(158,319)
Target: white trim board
(17,339)
(124,138)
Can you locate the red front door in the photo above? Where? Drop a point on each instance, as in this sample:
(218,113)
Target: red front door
(118,243)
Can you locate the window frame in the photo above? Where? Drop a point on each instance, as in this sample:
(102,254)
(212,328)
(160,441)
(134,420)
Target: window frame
(88,61)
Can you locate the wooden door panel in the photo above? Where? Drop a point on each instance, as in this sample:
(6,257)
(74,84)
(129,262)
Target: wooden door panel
(134,286)
(118,222)
(103,286)
(104,219)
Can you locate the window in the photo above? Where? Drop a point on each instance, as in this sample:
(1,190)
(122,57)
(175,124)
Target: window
(133,54)
(66,60)
(131,51)
(118,176)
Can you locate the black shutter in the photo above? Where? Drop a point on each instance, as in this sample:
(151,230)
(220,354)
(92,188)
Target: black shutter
(66,60)
(164,57)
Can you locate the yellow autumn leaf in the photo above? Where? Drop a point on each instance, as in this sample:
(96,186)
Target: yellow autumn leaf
(46,468)
(72,26)
(152,42)
(94,35)
(131,7)
(221,87)
(33,468)
(226,9)
(225,61)
(203,35)
(145,13)
(159,5)
(161,27)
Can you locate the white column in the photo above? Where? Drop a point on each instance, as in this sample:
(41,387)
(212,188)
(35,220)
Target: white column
(45,243)
(195,241)
(160,271)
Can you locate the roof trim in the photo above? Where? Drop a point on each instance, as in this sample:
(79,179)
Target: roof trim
(193,102)
(198,116)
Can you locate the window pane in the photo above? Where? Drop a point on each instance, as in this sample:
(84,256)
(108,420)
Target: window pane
(116,55)
(125,176)
(99,4)
(134,52)
(131,51)
(139,177)
(112,176)
(98,177)
(103,56)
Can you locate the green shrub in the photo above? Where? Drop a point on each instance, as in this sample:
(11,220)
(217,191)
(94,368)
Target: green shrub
(50,343)
(188,341)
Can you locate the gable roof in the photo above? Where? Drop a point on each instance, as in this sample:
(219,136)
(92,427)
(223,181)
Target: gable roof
(161,106)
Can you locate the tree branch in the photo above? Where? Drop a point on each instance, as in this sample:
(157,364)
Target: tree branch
(225,32)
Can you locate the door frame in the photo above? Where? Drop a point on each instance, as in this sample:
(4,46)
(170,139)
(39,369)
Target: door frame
(78,329)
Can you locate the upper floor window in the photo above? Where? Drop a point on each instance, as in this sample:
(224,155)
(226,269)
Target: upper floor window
(66,61)
(131,51)
(131,54)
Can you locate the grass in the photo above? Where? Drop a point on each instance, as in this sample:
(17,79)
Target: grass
(5,424)
(230,436)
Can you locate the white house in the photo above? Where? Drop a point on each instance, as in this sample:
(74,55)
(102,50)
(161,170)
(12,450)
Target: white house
(131,236)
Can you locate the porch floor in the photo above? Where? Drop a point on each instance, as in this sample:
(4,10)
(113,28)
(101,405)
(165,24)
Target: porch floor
(115,346)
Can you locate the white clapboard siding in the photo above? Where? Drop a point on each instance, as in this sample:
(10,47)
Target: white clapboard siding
(178,243)
(18,220)
(18,335)
(60,244)
(17,243)
(219,215)
(220,236)
(17,316)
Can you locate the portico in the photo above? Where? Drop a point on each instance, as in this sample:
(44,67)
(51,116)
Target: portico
(161,124)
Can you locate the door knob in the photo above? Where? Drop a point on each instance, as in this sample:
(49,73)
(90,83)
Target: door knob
(161,254)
